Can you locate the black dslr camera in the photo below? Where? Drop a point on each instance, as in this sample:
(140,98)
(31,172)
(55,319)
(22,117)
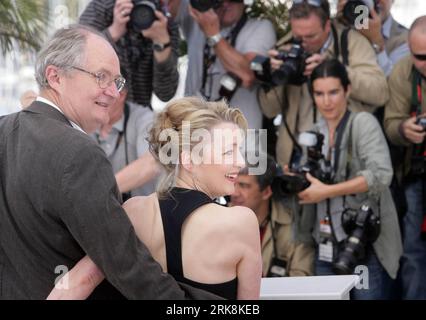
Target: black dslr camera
(418,157)
(143,14)
(362,226)
(421,122)
(205,5)
(351,10)
(290,72)
(285,185)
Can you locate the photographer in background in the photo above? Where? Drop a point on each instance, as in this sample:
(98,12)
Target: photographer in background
(320,38)
(222,41)
(282,254)
(405,124)
(123,139)
(356,221)
(148,53)
(388,37)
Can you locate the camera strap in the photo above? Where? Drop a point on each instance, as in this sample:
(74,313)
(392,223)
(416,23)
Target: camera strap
(343,44)
(277,266)
(416,106)
(121,134)
(210,58)
(416,93)
(340,130)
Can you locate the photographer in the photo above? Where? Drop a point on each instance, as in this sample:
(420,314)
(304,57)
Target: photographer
(405,126)
(123,140)
(356,221)
(388,37)
(282,254)
(311,25)
(221,43)
(148,57)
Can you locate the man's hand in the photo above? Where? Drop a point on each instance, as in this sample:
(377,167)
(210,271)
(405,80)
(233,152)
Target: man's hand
(158,32)
(413,132)
(208,21)
(122,10)
(275,63)
(374,31)
(312,62)
(315,193)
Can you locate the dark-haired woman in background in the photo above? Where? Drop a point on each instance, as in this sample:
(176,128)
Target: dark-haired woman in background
(357,155)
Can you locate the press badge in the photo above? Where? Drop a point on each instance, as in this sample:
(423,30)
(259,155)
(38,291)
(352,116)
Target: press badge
(326,251)
(326,243)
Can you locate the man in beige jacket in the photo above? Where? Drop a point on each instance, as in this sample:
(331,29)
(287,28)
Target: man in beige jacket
(407,105)
(310,23)
(386,35)
(282,253)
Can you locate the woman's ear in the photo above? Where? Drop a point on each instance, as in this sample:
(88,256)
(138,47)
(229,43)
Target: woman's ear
(348,91)
(186,162)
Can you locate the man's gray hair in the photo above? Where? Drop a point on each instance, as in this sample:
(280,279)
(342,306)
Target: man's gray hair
(64,49)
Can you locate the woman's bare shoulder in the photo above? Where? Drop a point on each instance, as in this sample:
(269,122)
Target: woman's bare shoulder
(140,204)
(235,217)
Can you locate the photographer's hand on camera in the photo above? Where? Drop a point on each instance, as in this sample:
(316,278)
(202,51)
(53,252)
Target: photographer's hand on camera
(122,10)
(412,131)
(275,63)
(374,31)
(313,61)
(233,61)
(159,33)
(315,193)
(208,21)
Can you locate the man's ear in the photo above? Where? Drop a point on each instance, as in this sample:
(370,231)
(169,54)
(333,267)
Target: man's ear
(185,158)
(267,193)
(53,77)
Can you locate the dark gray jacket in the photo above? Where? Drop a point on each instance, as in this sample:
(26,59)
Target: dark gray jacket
(59,201)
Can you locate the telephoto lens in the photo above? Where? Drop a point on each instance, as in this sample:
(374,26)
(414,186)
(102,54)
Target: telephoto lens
(205,5)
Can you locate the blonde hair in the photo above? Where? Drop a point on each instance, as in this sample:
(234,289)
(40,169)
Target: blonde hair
(200,114)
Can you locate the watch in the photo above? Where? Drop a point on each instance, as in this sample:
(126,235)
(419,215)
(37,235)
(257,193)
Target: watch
(160,46)
(214,40)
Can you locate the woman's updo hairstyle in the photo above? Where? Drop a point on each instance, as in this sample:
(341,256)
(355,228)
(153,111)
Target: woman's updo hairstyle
(200,114)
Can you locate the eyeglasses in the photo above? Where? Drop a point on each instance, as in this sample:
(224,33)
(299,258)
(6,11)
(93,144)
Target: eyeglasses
(314,3)
(103,80)
(421,57)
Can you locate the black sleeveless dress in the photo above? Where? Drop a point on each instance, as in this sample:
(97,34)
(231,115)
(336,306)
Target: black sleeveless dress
(174,210)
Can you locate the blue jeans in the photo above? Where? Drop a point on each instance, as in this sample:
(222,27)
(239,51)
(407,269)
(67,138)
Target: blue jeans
(379,282)
(413,262)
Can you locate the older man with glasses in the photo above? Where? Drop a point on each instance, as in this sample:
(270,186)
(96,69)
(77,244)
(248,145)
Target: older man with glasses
(58,196)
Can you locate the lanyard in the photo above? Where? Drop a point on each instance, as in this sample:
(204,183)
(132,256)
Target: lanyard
(122,134)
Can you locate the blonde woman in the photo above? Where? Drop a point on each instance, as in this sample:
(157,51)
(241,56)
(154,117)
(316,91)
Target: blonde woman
(199,242)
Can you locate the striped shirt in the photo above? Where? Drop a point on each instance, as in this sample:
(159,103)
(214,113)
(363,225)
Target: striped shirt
(143,74)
